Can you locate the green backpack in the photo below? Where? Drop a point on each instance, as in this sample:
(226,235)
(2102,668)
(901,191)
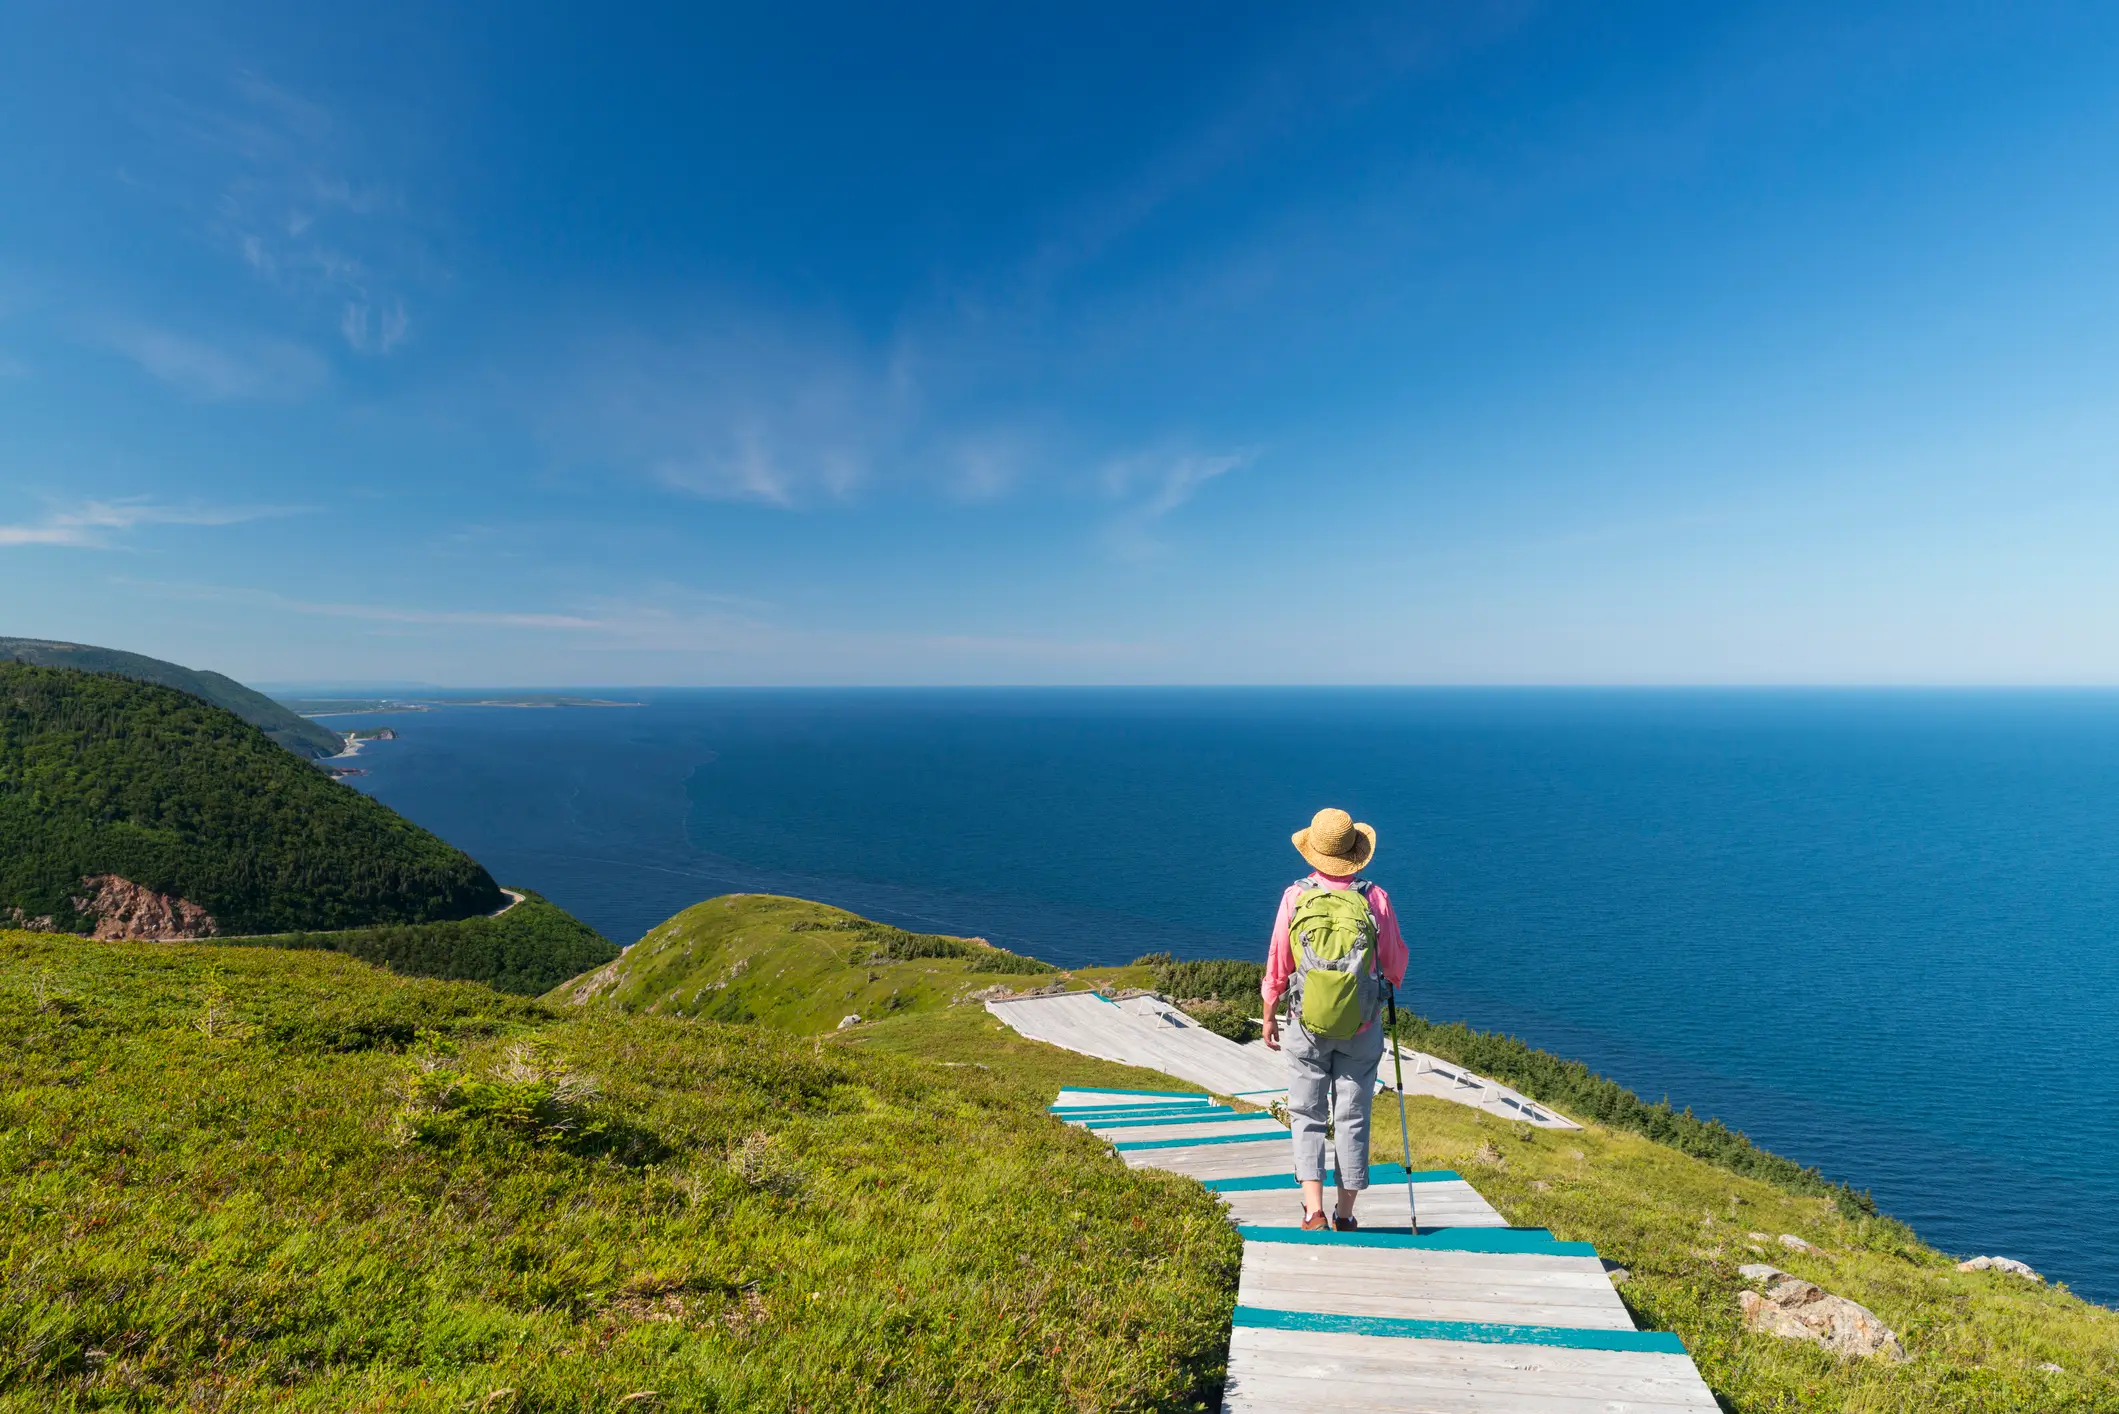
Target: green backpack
(1332,934)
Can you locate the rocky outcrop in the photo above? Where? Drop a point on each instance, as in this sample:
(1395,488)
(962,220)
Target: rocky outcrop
(583,990)
(19,918)
(1794,1309)
(123,909)
(2000,1264)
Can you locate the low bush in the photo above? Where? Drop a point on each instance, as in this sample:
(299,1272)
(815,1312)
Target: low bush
(899,945)
(1223,979)
(525,950)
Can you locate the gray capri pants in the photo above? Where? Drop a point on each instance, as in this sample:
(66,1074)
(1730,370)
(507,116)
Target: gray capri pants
(1333,1080)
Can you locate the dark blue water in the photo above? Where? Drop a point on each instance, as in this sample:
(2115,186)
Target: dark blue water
(1878,932)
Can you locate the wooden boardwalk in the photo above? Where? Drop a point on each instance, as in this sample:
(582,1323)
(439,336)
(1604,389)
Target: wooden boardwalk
(1146,1031)
(1462,1314)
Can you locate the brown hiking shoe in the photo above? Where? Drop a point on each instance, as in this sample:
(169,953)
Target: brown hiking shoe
(1316,1222)
(1346,1224)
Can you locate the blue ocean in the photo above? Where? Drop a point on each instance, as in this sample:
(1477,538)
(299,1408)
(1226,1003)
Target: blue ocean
(1876,931)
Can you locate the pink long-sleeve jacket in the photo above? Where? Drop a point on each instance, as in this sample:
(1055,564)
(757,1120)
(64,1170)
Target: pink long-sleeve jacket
(1280,958)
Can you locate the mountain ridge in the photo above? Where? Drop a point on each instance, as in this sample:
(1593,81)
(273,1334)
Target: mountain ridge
(298,734)
(105,777)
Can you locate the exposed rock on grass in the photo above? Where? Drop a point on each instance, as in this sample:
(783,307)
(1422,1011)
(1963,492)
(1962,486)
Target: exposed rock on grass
(2000,1264)
(1794,1309)
(123,909)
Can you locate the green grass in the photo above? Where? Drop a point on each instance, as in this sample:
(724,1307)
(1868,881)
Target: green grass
(241,1179)
(525,950)
(799,966)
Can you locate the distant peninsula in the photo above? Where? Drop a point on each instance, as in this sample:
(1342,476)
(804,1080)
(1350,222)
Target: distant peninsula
(315,707)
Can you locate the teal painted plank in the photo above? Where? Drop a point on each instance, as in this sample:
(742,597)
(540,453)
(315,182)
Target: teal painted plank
(1378,1173)
(1481,1332)
(1109,1090)
(1274,1138)
(1435,1239)
(1225,1117)
(1133,1111)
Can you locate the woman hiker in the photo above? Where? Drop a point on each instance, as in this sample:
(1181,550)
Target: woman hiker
(1335,942)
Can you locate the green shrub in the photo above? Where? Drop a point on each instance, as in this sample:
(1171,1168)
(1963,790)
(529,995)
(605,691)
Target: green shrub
(527,950)
(1223,979)
(899,945)
(1239,1024)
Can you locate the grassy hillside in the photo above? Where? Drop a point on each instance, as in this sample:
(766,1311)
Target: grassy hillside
(1682,1226)
(248,1179)
(253,1178)
(796,965)
(297,734)
(1674,1198)
(105,775)
(532,945)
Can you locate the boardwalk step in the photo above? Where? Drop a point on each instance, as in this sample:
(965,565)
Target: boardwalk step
(1378,1174)
(1444,1239)
(1276,1136)
(1478,1332)
(1223,1117)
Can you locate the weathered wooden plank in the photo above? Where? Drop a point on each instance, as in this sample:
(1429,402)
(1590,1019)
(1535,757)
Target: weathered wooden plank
(1311,1371)
(1499,1307)
(1459,1239)
(1098,1114)
(1158,1040)
(1378,1173)
(1380,1208)
(1086,1101)
(1130,1131)
(1223,1161)
(1552,1280)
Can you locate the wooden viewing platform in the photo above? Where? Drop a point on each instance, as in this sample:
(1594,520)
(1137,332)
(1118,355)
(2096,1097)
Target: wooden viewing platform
(1463,1315)
(1149,1032)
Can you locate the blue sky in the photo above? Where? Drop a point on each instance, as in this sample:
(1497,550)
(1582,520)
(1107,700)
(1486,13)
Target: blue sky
(1021,344)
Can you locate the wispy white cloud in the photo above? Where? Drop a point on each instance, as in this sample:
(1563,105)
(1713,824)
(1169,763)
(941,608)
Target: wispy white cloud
(737,409)
(264,173)
(1152,485)
(270,369)
(92,525)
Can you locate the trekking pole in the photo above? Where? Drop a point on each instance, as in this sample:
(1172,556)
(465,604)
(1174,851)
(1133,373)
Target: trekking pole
(1405,1141)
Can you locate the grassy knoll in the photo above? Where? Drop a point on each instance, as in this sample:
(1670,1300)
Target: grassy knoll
(1681,1225)
(524,950)
(796,965)
(244,1179)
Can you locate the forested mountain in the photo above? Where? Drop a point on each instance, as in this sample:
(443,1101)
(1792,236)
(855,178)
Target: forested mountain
(297,734)
(106,782)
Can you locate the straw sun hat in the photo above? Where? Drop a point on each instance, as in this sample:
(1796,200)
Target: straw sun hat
(1335,843)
